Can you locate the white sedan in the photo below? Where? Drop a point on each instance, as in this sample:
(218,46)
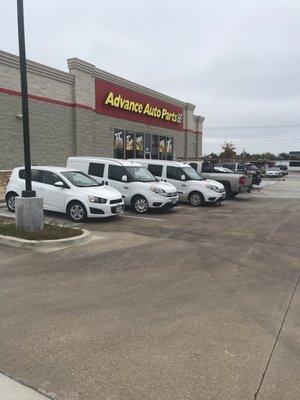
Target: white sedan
(67,191)
(274,172)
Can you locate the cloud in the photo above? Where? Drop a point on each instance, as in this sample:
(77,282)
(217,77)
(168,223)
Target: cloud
(237,61)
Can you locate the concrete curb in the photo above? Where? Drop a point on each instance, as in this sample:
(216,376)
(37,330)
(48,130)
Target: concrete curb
(33,244)
(12,389)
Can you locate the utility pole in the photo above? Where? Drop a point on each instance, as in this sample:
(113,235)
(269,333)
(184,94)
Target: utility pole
(24,91)
(29,209)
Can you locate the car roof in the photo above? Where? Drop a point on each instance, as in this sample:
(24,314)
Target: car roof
(125,163)
(164,162)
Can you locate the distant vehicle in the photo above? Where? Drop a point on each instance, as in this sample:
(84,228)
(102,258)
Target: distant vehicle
(191,186)
(252,170)
(138,187)
(274,172)
(233,166)
(233,183)
(247,168)
(283,169)
(67,191)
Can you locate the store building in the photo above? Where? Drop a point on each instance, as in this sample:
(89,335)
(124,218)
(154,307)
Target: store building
(87,111)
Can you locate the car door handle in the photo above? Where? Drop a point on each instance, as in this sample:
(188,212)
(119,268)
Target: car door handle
(183,185)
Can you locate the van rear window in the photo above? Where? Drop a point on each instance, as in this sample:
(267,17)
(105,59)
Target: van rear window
(96,169)
(155,169)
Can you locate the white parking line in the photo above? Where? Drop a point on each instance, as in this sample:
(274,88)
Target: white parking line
(144,218)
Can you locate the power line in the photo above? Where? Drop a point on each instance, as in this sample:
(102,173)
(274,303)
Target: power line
(253,127)
(254,141)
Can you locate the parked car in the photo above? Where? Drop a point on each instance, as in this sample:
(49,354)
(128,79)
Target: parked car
(233,183)
(274,172)
(247,168)
(283,169)
(67,191)
(139,188)
(232,165)
(189,184)
(251,169)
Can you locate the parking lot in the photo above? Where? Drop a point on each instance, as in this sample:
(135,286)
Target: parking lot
(191,303)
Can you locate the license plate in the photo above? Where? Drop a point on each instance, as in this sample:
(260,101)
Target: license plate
(174,201)
(119,209)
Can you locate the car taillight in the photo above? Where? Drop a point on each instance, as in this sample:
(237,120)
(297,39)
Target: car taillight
(242,180)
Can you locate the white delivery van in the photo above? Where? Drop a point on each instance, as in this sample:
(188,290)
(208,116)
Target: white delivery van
(189,184)
(139,188)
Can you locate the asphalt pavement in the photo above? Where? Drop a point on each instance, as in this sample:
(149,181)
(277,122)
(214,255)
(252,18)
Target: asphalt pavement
(192,303)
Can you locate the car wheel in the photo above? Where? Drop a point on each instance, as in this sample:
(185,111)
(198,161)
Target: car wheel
(10,201)
(77,212)
(196,199)
(140,204)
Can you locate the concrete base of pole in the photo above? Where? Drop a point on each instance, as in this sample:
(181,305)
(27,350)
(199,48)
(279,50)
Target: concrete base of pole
(29,214)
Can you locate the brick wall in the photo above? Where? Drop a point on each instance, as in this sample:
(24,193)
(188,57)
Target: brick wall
(51,132)
(58,131)
(4,177)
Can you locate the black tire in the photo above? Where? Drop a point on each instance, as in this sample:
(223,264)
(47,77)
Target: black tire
(227,191)
(234,194)
(10,201)
(140,204)
(196,199)
(76,211)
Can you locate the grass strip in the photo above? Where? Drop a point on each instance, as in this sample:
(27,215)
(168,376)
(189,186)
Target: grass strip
(50,232)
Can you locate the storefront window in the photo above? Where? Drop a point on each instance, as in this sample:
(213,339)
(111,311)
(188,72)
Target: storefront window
(129,144)
(118,143)
(139,145)
(162,147)
(147,140)
(169,148)
(154,147)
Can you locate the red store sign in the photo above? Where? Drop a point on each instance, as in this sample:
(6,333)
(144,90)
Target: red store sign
(119,102)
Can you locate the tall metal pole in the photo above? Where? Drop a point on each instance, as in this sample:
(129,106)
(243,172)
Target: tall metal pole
(23,73)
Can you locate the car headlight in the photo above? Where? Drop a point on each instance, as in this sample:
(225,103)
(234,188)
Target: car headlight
(95,199)
(159,191)
(213,187)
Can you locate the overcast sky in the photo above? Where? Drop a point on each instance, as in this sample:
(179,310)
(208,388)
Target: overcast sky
(238,61)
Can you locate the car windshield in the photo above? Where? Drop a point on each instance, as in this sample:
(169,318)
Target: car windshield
(192,174)
(80,179)
(274,169)
(140,174)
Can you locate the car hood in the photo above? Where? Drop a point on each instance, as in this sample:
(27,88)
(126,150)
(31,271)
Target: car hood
(168,187)
(104,191)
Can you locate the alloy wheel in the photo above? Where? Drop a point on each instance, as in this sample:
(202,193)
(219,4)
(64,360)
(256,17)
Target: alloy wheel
(77,212)
(11,203)
(196,199)
(141,205)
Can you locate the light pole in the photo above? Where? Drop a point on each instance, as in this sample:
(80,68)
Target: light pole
(28,192)
(29,209)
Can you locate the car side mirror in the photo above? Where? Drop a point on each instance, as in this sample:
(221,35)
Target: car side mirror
(124,178)
(59,184)
(182,177)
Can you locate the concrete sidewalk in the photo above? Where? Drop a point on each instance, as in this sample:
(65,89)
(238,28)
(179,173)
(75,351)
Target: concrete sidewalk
(13,390)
